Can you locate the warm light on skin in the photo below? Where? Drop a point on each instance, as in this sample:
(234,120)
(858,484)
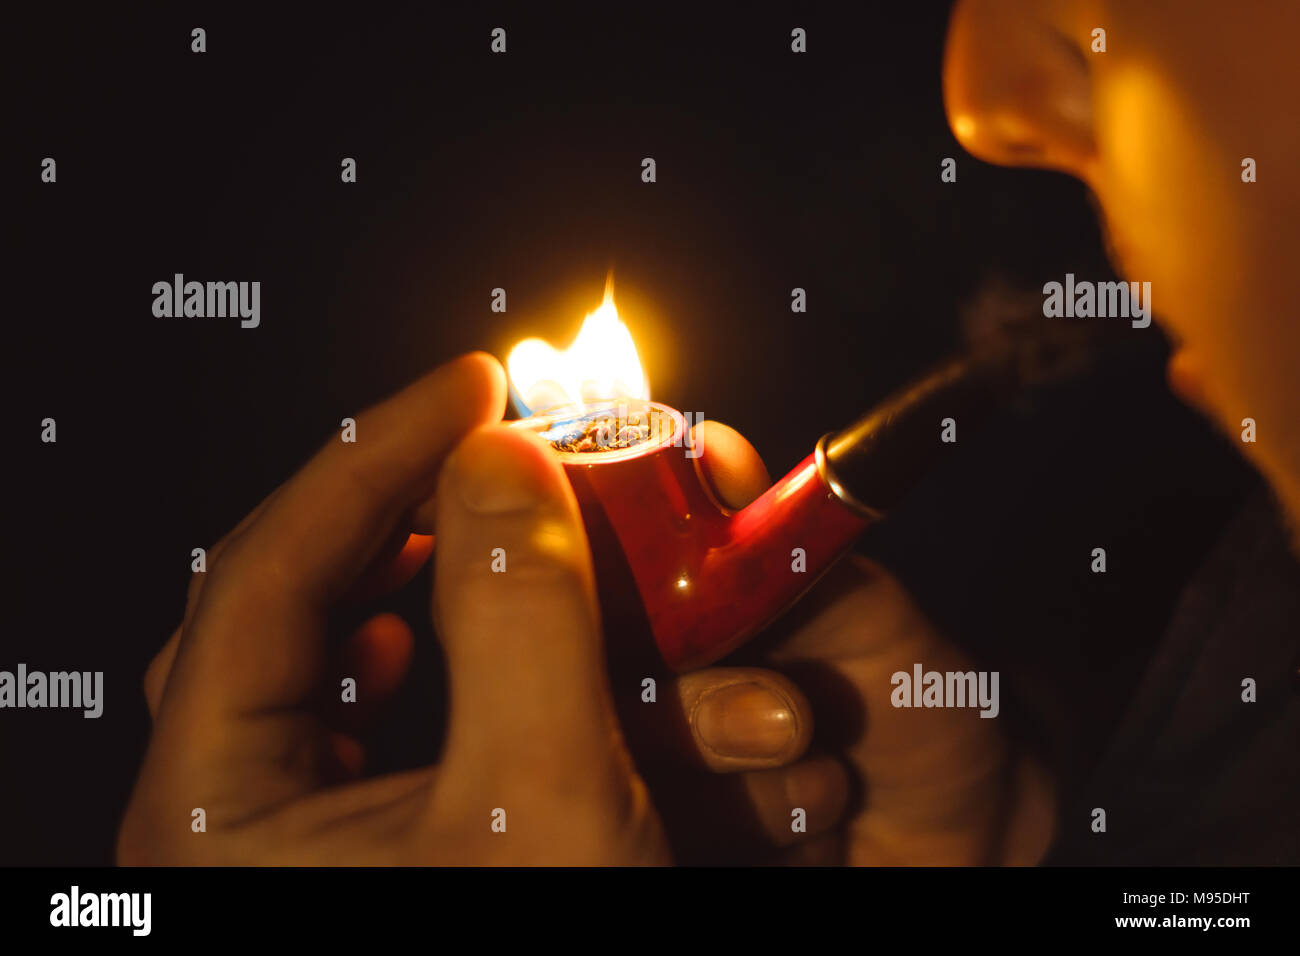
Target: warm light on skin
(1181,96)
(602,363)
(963,126)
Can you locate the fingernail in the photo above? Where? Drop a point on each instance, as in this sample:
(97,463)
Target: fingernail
(495,473)
(745,720)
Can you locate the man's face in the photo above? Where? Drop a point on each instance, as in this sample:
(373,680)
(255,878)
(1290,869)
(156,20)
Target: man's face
(1158,126)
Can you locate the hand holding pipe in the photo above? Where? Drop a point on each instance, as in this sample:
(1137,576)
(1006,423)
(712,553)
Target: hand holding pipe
(699,579)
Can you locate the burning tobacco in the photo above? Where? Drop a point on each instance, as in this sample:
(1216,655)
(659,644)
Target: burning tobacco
(605,430)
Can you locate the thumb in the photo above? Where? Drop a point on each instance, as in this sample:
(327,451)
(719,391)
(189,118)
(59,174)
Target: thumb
(730,463)
(515,606)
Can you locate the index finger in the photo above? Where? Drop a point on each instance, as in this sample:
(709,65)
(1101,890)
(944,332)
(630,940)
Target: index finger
(357,491)
(261,613)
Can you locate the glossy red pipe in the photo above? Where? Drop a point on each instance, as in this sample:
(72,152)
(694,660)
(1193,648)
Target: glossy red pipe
(700,577)
(695,580)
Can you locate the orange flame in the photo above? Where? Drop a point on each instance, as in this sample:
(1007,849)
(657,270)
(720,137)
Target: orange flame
(601,364)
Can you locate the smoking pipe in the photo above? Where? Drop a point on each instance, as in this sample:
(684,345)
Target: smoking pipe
(698,578)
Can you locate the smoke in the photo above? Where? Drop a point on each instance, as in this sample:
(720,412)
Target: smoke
(1002,322)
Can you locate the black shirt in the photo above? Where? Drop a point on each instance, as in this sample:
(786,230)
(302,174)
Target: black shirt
(1195,774)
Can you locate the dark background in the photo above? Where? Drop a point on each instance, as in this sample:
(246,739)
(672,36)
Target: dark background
(522,171)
